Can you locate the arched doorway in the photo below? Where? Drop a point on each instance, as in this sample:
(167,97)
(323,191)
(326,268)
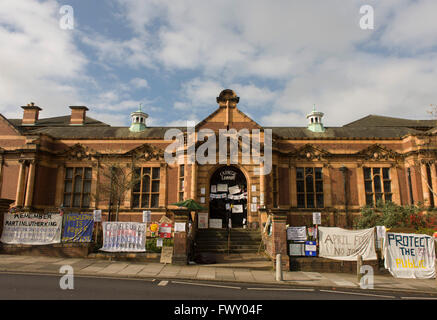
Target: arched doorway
(228,196)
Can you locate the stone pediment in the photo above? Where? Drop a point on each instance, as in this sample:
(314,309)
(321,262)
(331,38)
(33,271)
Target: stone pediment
(378,152)
(146,152)
(310,152)
(78,152)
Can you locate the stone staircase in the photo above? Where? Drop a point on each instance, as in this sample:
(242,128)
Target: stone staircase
(242,241)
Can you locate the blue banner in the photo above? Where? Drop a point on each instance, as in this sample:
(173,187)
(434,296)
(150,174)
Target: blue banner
(78,227)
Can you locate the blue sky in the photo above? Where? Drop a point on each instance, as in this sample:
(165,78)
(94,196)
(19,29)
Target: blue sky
(175,57)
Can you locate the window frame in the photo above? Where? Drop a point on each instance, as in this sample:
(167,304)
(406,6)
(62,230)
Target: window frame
(150,194)
(316,182)
(73,193)
(382,182)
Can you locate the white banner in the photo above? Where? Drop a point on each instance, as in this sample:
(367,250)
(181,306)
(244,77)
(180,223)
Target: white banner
(410,255)
(297,233)
(341,244)
(124,236)
(32,228)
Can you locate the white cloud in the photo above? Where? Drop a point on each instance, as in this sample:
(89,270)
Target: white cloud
(140,83)
(38,60)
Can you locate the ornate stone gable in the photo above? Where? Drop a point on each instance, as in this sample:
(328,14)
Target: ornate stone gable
(310,152)
(377,152)
(146,152)
(78,152)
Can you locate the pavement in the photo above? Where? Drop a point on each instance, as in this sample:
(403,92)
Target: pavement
(221,272)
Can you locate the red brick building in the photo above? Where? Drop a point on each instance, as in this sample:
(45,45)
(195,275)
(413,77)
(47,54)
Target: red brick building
(46,163)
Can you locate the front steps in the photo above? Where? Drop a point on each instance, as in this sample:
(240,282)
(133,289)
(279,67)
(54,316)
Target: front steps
(241,241)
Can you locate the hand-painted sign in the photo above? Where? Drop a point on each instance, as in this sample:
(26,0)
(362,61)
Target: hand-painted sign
(410,255)
(124,237)
(78,227)
(32,228)
(341,244)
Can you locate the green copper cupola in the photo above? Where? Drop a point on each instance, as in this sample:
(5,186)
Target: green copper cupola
(138,120)
(315,121)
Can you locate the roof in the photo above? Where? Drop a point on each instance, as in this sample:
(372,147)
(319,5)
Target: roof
(342,132)
(57,122)
(383,121)
(369,127)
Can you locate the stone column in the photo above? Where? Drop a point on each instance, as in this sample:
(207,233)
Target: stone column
(327,185)
(262,187)
(434,181)
(180,247)
(396,194)
(30,185)
(279,235)
(19,197)
(194,181)
(425,188)
(360,186)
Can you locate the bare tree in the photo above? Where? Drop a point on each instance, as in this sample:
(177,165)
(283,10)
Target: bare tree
(122,179)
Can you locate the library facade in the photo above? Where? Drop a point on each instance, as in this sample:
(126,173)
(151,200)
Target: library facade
(70,162)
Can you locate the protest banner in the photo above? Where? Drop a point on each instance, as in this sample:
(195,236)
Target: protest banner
(124,237)
(410,255)
(297,233)
(32,228)
(78,227)
(341,244)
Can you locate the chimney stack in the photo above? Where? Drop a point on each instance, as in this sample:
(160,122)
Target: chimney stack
(30,114)
(78,115)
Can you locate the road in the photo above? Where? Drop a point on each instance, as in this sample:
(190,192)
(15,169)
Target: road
(47,287)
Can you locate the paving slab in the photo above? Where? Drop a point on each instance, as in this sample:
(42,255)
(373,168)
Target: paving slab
(206,273)
(226,274)
(113,268)
(189,272)
(68,261)
(263,276)
(170,271)
(243,275)
(151,270)
(131,270)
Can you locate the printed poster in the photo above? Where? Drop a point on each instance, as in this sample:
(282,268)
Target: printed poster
(341,244)
(410,255)
(222,187)
(32,228)
(297,233)
(237,208)
(78,227)
(124,236)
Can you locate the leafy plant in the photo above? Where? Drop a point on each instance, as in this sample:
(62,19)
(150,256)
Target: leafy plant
(391,215)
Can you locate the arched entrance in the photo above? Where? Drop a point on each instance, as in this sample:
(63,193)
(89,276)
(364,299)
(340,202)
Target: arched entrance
(228,196)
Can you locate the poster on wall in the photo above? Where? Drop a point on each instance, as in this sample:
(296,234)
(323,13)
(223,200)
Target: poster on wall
(32,228)
(341,244)
(410,255)
(237,208)
(165,230)
(222,187)
(124,237)
(297,233)
(202,220)
(78,227)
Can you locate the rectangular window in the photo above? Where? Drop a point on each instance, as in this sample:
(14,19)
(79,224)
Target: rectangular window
(145,193)
(377,185)
(77,187)
(181,182)
(309,187)
(275,186)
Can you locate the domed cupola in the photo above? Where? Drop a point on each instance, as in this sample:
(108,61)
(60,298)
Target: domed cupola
(138,120)
(315,121)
